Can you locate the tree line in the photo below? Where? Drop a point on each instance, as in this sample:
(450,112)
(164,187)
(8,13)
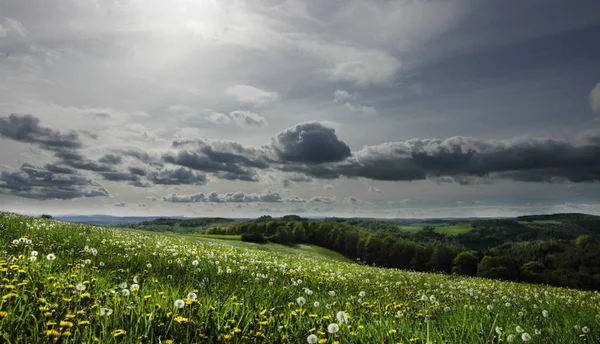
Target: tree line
(494,249)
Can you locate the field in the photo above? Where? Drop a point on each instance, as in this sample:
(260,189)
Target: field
(447,229)
(78,283)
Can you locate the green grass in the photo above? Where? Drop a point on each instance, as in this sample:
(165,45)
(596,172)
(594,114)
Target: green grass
(109,285)
(454,229)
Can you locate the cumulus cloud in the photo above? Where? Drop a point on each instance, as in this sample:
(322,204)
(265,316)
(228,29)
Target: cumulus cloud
(468,160)
(111,159)
(595,98)
(129,205)
(230,197)
(48,182)
(327,187)
(26,128)
(374,189)
(242,118)
(348,100)
(177,176)
(322,199)
(310,143)
(252,95)
(226,159)
(12,27)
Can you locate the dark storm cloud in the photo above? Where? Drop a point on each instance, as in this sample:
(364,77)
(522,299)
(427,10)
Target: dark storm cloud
(177,176)
(310,143)
(226,159)
(77,160)
(111,159)
(467,159)
(46,182)
(230,197)
(26,128)
(120,176)
(139,171)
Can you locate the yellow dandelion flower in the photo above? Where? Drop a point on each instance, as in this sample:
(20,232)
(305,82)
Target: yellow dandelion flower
(83,323)
(119,332)
(52,333)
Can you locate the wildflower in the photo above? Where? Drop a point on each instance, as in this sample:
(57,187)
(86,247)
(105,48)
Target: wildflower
(585,329)
(525,337)
(447,309)
(316,304)
(362,294)
(331,293)
(424,298)
(308,291)
(538,332)
(300,301)
(125,292)
(50,257)
(119,332)
(333,328)
(192,296)
(134,286)
(105,311)
(148,265)
(342,317)
(80,287)
(499,330)
(34,253)
(123,285)
(519,329)
(510,338)
(490,307)
(87,262)
(545,313)
(312,339)
(179,304)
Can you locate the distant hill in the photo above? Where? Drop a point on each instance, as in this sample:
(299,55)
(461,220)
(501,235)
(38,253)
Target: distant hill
(106,220)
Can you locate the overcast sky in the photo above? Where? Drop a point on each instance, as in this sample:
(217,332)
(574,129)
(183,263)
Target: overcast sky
(348,108)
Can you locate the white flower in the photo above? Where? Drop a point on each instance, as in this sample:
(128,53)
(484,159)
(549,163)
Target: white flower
(80,287)
(87,262)
(179,304)
(331,293)
(447,309)
(50,257)
(312,339)
(510,338)
(195,262)
(525,337)
(316,304)
(545,313)
(490,307)
(432,298)
(400,314)
(34,253)
(508,304)
(192,296)
(424,298)
(538,332)
(585,329)
(498,330)
(342,317)
(519,329)
(333,328)
(308,291)
(105,311)
(301,301)
(134,286)
(521,314)
(125,292)
(15,242)
(33,258)
(123,285)
(148,265)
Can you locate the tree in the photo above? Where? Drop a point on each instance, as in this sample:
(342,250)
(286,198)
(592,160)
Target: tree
(465,263)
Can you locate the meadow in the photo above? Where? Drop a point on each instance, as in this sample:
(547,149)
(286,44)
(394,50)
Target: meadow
(77,283)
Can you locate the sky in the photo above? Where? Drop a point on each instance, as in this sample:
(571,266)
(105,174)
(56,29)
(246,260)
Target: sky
(241,108)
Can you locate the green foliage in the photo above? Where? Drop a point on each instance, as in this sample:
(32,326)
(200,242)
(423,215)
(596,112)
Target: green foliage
(465,263)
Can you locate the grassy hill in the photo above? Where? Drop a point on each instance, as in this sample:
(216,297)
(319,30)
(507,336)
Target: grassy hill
(78,283)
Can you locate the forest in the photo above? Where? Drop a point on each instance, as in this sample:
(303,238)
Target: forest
(560,250)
